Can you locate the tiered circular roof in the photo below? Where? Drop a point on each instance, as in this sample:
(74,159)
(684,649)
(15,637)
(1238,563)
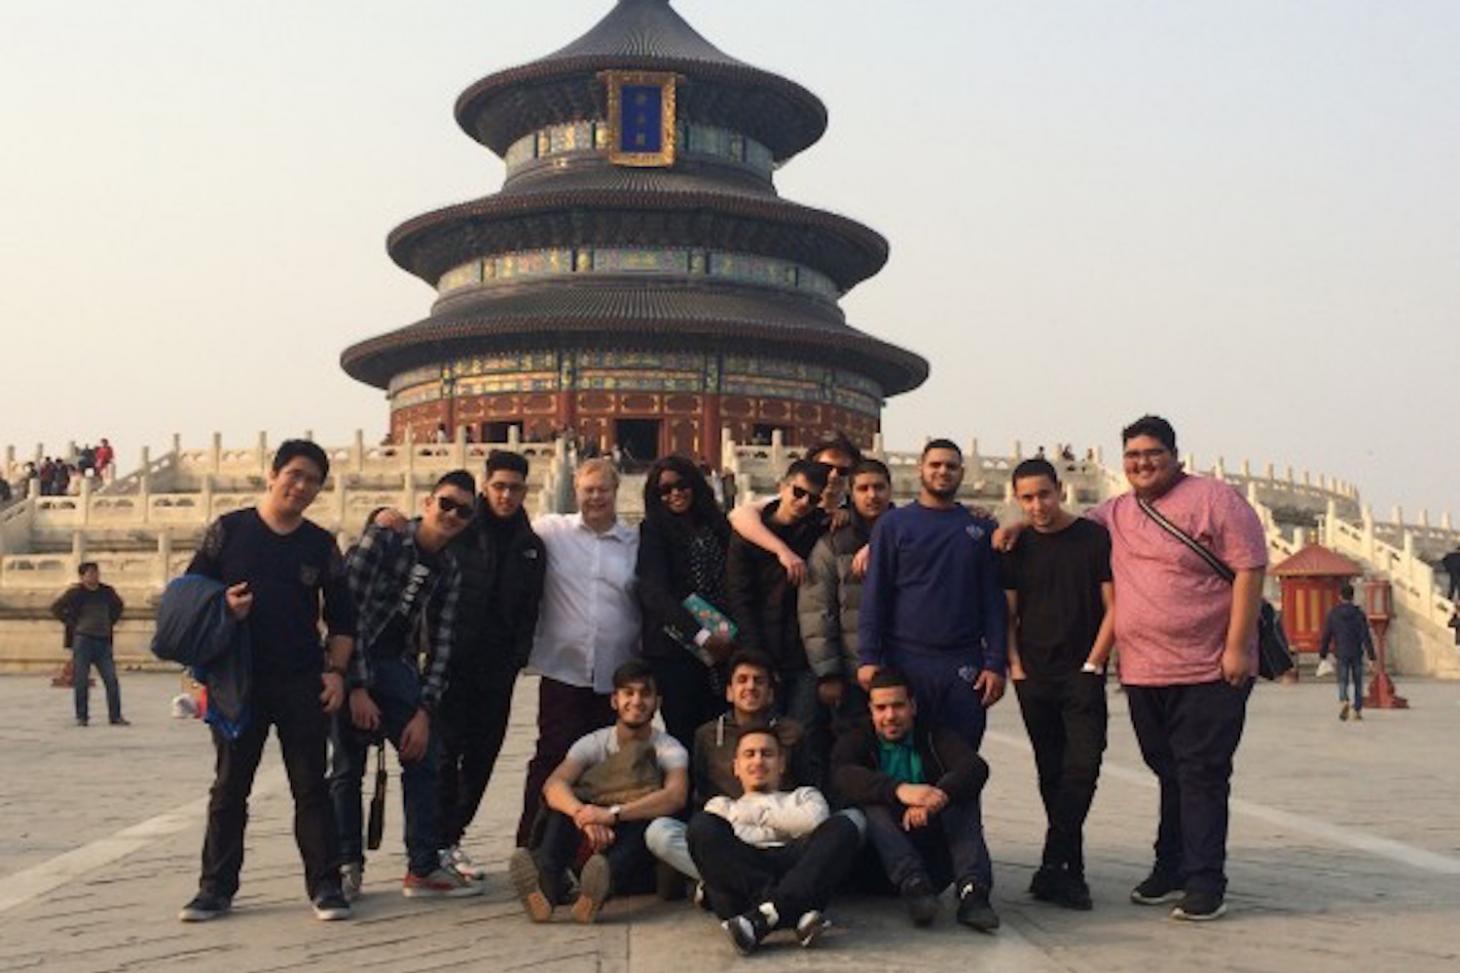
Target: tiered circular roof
(584,200)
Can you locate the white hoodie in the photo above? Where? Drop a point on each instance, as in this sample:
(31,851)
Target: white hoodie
(768,820)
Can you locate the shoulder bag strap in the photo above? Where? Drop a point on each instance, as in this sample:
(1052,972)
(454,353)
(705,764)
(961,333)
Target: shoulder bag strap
(1197,548)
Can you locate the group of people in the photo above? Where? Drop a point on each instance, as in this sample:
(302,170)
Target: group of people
(822,665)
(56,476)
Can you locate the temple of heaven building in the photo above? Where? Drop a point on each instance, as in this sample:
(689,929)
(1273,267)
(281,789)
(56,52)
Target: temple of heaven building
(637,279)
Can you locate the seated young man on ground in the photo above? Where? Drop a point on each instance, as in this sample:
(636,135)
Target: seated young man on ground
(751,693)
(612,783)
(770,858)
(919,788)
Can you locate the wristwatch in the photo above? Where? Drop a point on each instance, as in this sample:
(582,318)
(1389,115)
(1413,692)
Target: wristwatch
(1090,667)
(616,810)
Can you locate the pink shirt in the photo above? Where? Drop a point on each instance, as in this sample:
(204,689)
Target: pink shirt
(1171,608)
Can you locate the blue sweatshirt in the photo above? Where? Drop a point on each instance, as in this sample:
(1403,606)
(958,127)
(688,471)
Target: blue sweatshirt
(932,586)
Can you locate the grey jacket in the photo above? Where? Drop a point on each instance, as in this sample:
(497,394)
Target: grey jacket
(831,600)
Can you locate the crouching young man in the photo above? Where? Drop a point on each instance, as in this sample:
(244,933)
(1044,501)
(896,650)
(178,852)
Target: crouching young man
(770,858)
(612,783)
(919,787)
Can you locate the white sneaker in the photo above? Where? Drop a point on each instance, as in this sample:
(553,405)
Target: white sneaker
(454,857)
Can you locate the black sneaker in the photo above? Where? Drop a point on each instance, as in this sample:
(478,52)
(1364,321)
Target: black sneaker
(1071,892)
(82,721)
(746,930)
(120,721)
(1157,889)
(1199,907)
(330,905)
(974,909)
(922,904)
(1042,885)
(205,906)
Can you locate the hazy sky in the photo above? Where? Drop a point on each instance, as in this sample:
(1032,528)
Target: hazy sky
(1242,215)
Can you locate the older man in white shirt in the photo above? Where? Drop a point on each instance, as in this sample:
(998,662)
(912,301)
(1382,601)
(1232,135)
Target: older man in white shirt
(587,627)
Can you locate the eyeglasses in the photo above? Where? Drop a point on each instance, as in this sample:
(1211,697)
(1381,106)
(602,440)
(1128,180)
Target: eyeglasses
(801,493)
(498,486)
(674,486)
(461,510)
(1136,455)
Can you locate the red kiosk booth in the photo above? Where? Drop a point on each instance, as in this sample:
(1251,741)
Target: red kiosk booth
(1310,582)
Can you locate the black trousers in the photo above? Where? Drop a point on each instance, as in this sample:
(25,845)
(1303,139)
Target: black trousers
(629,860)
(1066,720)
(687,696)
(473,724)
(1188,736)
(564,713)
(795,878)
(290,704)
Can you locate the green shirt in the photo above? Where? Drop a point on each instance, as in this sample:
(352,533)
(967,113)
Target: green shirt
(900,760)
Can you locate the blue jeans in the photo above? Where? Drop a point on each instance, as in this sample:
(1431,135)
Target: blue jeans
(1351,671)
(397,691)
(950,849)
(88,651)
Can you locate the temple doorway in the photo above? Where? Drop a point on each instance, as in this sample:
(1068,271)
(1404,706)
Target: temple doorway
(639,441)
(499,432)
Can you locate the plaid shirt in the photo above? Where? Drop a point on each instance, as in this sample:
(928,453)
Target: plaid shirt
(381,570)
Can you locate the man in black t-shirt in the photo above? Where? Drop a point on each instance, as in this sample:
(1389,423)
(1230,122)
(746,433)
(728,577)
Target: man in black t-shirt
(279,569)
(1061,628)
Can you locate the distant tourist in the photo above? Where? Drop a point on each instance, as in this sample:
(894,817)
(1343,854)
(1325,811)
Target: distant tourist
(90,610)
(441,435)
(1451,564)
(283,573)
(1346,634)
(609,786)
(105,459)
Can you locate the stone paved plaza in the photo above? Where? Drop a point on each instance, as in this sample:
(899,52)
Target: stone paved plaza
(1345,856)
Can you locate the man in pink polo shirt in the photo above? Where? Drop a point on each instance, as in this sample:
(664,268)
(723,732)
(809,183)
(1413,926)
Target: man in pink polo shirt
(1187,643)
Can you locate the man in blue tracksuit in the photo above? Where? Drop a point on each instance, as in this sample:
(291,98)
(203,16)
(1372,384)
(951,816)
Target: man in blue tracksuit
(932,604)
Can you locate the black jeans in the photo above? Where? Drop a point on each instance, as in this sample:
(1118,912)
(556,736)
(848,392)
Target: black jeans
(564,713)
(290,703)
(473,724)
(687,696)
(1188,736)
(949,849)
(628,857)
(795,878)
(87,651)
(1066,719)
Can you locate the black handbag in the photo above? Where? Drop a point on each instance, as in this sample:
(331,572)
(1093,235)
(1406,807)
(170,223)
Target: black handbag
(1273,656)
(376,829)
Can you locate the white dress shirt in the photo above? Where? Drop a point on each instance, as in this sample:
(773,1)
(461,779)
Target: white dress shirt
(588,624)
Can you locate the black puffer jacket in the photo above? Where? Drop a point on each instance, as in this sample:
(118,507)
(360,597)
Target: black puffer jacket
(502,565)
(762,602)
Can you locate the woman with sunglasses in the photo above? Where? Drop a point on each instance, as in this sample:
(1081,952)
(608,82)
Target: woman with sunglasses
(682,546)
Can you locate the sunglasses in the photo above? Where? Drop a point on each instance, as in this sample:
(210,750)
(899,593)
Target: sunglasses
(460,510)
(801,493)
(678,486)
(842,471)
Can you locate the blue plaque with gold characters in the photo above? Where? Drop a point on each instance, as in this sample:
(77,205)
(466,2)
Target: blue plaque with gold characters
(640,117)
